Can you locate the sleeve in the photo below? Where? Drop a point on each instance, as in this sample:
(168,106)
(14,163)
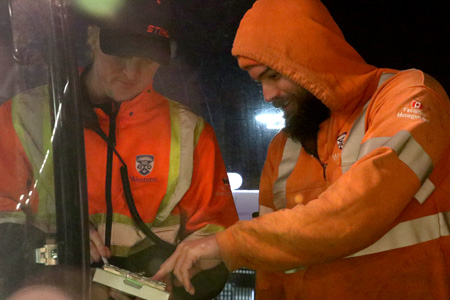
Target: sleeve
(362,204)
(15,170)
(208,206)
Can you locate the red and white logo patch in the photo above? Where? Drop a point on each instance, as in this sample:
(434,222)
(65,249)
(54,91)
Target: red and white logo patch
(416,105)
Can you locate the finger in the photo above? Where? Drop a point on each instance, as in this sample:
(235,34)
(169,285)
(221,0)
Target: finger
(97,242)
(183,265)
(166,267)
(167,280)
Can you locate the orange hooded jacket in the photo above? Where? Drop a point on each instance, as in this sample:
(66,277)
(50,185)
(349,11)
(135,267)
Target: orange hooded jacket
(370,228)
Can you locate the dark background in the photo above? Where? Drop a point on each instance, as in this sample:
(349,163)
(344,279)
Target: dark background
(396,34)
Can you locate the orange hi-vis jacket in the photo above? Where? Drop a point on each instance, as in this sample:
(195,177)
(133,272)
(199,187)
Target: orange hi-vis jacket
(26,161)
(176,172)
(175,169)
(370,218)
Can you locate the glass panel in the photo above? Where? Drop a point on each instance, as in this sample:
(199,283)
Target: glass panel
(26,181)
(35,152)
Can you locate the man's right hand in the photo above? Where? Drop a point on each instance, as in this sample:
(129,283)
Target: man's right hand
(97,248)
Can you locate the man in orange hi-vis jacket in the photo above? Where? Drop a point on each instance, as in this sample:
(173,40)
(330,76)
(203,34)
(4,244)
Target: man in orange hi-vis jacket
(354,194)
(175,171)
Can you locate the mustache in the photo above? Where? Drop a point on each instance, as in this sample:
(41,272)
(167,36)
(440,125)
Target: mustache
(280,102)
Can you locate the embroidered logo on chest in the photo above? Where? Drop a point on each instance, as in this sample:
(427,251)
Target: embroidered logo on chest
(144,164)
(340,140)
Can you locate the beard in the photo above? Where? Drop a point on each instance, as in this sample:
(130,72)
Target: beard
(302,125)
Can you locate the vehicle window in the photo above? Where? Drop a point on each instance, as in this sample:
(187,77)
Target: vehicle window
(37,160)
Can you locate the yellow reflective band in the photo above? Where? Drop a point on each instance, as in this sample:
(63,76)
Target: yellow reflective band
(175,149)
(31,121)
(184,124)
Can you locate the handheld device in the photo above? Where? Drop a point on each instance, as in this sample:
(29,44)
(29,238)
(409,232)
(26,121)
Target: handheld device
(131,283)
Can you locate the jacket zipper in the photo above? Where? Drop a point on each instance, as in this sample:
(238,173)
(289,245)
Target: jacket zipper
(324,167)
(108,182)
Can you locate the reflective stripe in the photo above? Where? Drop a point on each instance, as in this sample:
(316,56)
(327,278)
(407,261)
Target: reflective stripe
(289,159)
(406,234)
(30,112)
(264,210)
(127,238)
(205,231)
(406,147)
(183,126)
(425,191)
(408,150)
(411,233)
(414,156)
(350,152)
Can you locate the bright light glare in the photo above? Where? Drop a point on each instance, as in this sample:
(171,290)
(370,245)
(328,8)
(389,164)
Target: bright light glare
(100,8)
(235,180)
(272,118)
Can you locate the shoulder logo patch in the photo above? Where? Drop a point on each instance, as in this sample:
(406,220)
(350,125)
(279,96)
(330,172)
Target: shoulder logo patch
(144,164)
(340,140)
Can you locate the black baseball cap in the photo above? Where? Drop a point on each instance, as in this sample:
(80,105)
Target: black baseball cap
(139,28)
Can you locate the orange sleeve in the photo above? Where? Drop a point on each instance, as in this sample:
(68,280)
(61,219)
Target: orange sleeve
(15,170)
(209,200)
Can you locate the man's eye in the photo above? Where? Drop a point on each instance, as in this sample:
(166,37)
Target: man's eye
(274,76)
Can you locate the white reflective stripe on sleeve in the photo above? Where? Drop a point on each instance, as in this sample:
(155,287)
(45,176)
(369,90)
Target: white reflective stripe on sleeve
(289,159)
(188,122)
(264,210)
(425,191)
(411,233)
(408,150)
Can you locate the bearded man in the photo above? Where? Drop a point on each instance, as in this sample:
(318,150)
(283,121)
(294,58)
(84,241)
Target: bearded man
(354,192)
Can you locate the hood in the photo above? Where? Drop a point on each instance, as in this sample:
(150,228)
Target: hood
(300,39)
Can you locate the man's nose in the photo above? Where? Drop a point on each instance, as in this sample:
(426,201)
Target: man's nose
(132,67)
(270,92)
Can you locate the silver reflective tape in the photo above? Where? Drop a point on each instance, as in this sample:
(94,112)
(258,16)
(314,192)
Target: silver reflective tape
(263,210)
(411,233)
(425,191)
(351,150)
(408,150)
(288,161)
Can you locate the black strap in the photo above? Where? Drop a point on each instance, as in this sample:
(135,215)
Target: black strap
(128,195)
(135,214)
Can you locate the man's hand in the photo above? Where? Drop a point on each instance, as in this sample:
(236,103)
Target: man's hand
(97,249)
(189,258)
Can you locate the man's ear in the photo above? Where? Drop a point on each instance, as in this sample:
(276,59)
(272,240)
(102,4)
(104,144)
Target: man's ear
(93,37)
